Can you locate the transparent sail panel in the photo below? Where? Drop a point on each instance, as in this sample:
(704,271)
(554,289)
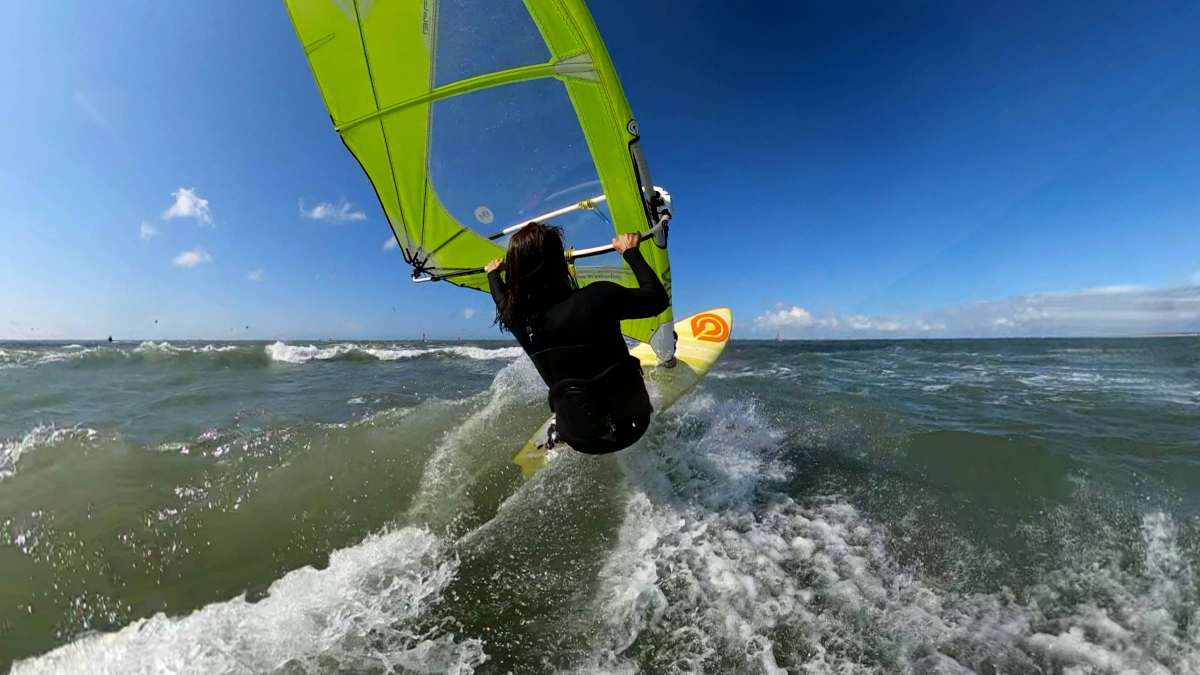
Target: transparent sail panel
(512,153)
(475,37)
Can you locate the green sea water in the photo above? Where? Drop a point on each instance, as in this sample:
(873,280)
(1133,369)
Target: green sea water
(988,506)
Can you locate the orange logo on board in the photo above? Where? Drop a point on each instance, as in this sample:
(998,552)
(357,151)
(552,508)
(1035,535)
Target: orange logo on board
(709,327)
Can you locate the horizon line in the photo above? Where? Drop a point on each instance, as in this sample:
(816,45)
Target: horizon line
(1191,334)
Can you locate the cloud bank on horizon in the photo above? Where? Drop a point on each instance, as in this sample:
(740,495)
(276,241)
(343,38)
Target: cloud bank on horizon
(1105,311)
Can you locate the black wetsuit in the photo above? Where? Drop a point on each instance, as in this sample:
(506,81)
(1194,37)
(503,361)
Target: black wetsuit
(596,388)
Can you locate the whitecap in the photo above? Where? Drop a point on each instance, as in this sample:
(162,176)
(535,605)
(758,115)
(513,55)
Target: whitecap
(281,351)
(482,354)
(40,436)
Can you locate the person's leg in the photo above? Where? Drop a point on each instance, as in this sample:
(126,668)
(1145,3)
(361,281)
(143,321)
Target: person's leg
(619,432)
(605,415)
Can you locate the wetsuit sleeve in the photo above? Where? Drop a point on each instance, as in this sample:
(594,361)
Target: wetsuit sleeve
(648,299)
(496,286)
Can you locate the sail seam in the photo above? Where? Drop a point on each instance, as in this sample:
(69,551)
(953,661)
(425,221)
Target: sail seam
(362,39)
(435,12)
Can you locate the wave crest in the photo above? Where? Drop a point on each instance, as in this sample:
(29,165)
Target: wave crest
(40,436)
(243,354)
(281,351)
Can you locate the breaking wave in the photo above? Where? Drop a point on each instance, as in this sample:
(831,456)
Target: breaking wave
(42,435)
(281,351)
(718,569)
(243,354)
(362,613)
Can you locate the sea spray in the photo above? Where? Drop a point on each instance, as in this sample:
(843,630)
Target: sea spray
(481,444)
(717,570)
(357,614)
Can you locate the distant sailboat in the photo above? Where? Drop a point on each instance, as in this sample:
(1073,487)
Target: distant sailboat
(777,337)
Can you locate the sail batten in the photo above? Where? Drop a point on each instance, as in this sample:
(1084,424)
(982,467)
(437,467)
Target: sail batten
(513,75)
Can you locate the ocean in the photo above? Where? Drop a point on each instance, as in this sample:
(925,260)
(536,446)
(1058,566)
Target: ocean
(953,506)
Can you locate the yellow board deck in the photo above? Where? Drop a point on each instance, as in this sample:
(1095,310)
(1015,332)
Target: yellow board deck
(701,339)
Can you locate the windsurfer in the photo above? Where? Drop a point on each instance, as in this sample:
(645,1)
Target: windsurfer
(573,335)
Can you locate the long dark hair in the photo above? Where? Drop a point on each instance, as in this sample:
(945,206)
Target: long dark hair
(536,275)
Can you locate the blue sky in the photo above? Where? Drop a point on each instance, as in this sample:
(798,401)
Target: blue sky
(839,170)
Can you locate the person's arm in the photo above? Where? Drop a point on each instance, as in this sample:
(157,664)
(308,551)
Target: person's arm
(648,299)
(495,283)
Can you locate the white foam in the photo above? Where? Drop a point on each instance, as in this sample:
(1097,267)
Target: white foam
(280,351)
(1064,381)
(394,354)
(14,358)
(277,351)
(1128,623)
(167,348)
(206,349)
(148,348)
(357,615)
(42,435)
(481,354)
(691,556)
(713,564)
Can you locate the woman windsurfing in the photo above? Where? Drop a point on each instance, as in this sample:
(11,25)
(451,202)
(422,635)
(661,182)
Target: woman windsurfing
(573,336)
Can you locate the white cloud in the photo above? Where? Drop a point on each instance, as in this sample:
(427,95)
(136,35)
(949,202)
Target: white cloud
(1103,311)
(796,321)
(391,244)
(888,325)
(188,204)
(1196,278)
(784,317)
(342,212)
(190,259)
(469,312)
(149,231)
(256,275)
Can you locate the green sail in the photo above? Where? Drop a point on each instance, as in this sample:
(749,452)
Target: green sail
(472,115)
